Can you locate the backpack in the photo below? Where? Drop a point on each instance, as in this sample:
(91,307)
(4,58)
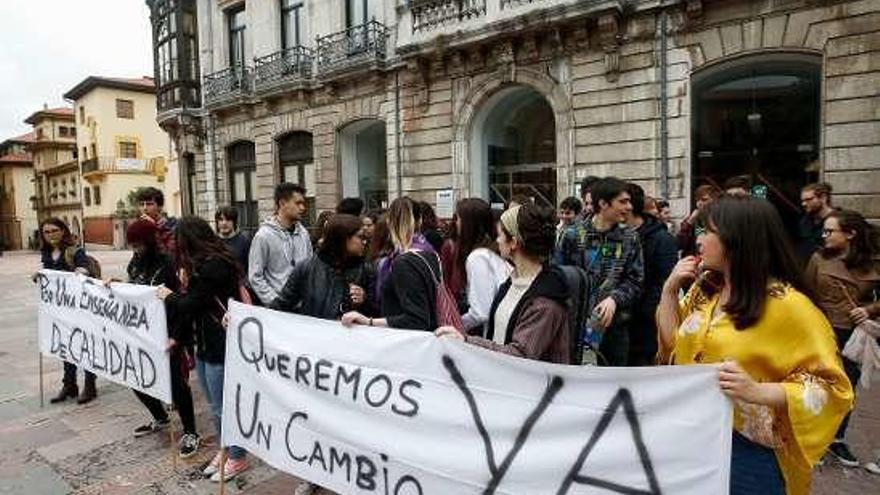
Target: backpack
(92,264)
(444,303)
(576,280)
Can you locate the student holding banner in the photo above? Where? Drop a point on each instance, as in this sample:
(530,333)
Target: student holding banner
(406,279)
(336,279)
(748,310)
(150,266)
(214,278)
(60,252)
(529,316)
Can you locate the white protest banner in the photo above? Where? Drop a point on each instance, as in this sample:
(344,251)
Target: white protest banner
(119,333)
(389,412)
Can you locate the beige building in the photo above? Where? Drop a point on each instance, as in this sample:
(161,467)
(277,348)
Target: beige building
(120,149)
(491,98)
(18,219)
(56,171)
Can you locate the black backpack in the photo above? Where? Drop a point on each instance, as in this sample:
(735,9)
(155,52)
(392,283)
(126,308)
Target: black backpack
(576,280)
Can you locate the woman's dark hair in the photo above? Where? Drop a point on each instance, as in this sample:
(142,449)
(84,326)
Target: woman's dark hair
(196,242)
(757,250)
(375,214)
(865,244)
(321,225)
(637,198)
(477,231)
(428,217)
(537,230)
(66,237)
(381,244)
(337,231)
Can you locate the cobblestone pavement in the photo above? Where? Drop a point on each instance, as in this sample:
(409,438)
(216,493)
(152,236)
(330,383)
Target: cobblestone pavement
(89,449)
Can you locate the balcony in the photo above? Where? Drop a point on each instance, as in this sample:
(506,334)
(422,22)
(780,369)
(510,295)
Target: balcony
(113,165)
(227,86)
(357,48)
(287,69)
(428,15)
(462,22)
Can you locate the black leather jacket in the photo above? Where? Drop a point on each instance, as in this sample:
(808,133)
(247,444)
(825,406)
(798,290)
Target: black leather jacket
(316,288)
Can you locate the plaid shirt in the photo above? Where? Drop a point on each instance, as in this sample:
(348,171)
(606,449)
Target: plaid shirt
(612,260)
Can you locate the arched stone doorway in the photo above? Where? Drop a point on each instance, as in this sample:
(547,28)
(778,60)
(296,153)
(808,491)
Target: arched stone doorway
(759,115)
(363,162)
(512,147)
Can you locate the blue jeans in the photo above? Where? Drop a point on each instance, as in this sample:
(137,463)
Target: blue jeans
(211,378)
(754,469)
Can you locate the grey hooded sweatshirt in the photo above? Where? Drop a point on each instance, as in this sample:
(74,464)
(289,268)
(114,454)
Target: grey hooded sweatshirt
(274,252)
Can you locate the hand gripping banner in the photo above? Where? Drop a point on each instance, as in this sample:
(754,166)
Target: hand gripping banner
(378,411)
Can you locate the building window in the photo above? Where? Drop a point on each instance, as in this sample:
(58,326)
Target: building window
(87,196)
(82,114)
(127,149)
(39,133)
(243,182)
(296,164)
(85,153)
(73,132)
(356,12)
(188,175)
(96,193)
(237,29)
(62,131)
(94,150)
(291,13)
(124,109)
(175,53)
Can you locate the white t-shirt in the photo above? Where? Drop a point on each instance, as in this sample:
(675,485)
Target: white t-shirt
(486,273)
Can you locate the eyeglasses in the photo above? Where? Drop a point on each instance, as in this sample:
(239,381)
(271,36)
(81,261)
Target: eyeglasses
(828,232)
(51,231)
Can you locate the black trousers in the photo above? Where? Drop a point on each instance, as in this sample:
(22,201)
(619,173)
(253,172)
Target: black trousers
(180,394)
(852,370)
(69,379)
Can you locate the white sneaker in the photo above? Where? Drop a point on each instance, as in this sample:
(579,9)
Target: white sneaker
(214,465)
(305,488)
(233,468)
(873,466)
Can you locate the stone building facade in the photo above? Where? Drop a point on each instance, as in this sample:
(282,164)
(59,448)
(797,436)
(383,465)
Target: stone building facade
(56,170)
(493,98)
(18,218)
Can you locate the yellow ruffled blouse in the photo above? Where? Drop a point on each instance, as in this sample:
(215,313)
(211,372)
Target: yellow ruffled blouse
(792,344)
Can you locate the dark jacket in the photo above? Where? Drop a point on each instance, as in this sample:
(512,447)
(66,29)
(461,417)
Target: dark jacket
(240,244)
(539,325)
(409,298)
(316,288)
(809,237)
(158,268)
(212,284)
(660,253)
(152,269)
(79,260)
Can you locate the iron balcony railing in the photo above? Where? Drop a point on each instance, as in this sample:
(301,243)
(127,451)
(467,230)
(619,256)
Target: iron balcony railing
(352,47)
(430,14)
(227,83)
(288,65)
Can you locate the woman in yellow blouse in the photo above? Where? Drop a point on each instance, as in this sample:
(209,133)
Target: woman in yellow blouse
(776,351)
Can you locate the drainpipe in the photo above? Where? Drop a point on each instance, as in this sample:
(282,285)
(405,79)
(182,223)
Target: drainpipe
(664,105)
(397,126)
